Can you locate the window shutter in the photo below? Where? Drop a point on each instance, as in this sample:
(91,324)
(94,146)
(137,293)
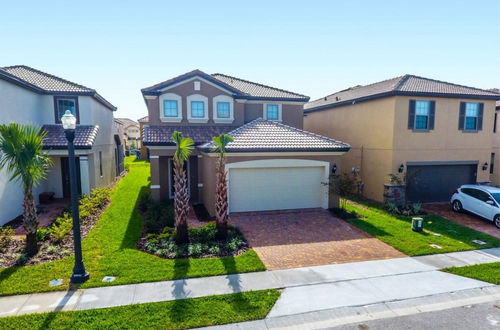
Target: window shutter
(480,116)
(461,118)
(432,113)
(411,115)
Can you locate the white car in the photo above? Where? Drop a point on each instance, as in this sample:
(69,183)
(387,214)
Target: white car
(483,201)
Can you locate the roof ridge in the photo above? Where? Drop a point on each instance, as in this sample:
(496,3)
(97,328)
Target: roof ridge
(449,83)
(359,86)
(258,84)
(176,77)
(304,131)
(46,74)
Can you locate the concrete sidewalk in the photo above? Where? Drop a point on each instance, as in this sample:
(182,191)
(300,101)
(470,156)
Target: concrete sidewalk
(370,281)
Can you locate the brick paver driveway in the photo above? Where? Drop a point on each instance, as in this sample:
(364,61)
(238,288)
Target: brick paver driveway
(466,219)
(308,238)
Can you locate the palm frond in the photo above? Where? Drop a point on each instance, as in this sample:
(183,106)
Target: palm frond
(221,142)
(184,146)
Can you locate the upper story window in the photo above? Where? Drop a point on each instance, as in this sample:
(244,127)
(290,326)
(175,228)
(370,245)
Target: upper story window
(61,104)
(197,109)
(272,112)
(471,116)
(422,110)
(223,109)
(421,115)
(170,108)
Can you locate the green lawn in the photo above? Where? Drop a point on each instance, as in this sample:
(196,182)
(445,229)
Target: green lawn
(110,249)
(483,272)
(396,231)
(178,314)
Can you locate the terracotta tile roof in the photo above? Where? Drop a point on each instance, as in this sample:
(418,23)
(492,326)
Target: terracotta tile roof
(257,90)
(56,139)
(126,122)
(242,89)
(162,135)
(47,83)
(405,85)
(262,135)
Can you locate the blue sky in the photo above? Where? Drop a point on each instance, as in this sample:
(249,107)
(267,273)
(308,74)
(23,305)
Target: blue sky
(310,47)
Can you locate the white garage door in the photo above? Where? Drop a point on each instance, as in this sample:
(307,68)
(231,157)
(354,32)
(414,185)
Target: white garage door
(276,188)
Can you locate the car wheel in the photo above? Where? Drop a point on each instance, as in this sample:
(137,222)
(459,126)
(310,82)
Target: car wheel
(496,220)
(457,206)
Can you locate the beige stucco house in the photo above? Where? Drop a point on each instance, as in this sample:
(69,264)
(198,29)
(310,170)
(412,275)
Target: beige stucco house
(272,163)
(30,96)
(439,135)
(131,133)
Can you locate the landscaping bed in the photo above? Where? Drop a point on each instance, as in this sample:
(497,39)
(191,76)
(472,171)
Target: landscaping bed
(440,235)
(177,314)
(158,237)
(56,240)
(110,249)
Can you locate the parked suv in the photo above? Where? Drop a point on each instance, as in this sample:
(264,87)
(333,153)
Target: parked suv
(483,201)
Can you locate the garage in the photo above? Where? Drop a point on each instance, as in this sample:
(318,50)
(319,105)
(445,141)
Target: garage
(437,182)
(277,184)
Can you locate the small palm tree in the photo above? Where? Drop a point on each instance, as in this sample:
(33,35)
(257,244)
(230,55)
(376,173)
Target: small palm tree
(221,204)
(22,155)
(181,196)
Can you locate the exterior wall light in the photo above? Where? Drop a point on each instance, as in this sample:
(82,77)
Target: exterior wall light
(334,168)
(401,168)
(485,166)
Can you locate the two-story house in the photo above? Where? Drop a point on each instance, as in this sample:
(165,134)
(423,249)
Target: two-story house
(143,121)
(437,135)
(272,163)
(131,133)
(29,96)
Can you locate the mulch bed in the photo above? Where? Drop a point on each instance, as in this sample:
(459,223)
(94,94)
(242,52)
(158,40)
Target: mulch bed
(48,251)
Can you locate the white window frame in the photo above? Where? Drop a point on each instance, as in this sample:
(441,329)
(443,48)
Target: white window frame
(227,99)
(264,112)
(200,98)
(172,97)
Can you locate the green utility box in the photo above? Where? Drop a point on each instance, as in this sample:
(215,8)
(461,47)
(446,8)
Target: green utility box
(417,224)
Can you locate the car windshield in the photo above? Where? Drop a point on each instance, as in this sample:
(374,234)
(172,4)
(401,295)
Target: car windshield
(496,196)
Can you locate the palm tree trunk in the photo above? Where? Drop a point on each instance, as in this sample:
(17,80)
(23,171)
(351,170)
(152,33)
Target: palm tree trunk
(181,203)
(30,222)
(221,204)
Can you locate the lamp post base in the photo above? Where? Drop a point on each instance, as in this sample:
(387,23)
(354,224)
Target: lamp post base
(79,278)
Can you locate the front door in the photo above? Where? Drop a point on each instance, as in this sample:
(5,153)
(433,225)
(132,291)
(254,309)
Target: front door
(65,176)
(171,189)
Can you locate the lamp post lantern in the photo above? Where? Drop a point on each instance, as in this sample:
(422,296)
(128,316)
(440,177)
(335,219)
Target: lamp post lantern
(69,125)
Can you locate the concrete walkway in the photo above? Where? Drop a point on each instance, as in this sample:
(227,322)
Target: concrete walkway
(305,289)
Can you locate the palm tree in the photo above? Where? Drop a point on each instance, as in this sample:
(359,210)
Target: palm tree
(221,204)
(21,154)
(181,196)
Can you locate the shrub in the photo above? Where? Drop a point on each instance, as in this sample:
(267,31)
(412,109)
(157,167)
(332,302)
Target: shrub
(214,249)
(203,234)
(61,227)
(195,249)
(42,234)
(144,202)
(6,234)
(158,216)
(344,185)
(51,249)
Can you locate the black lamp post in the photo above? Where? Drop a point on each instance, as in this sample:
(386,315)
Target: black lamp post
(69,125)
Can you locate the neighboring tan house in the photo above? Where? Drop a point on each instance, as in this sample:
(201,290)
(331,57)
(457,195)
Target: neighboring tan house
(29,96)
(144,121)
(436,133)
(272,163)
(131,133)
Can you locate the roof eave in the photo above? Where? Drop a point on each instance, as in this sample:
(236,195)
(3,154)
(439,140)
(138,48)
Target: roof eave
(400,93)
(265,98)
(270,150)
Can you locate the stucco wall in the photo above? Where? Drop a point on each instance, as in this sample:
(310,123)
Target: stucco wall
(495,177)
(445,142)
(381,141)
(367,127)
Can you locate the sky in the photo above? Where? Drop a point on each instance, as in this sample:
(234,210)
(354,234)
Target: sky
(310,47)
